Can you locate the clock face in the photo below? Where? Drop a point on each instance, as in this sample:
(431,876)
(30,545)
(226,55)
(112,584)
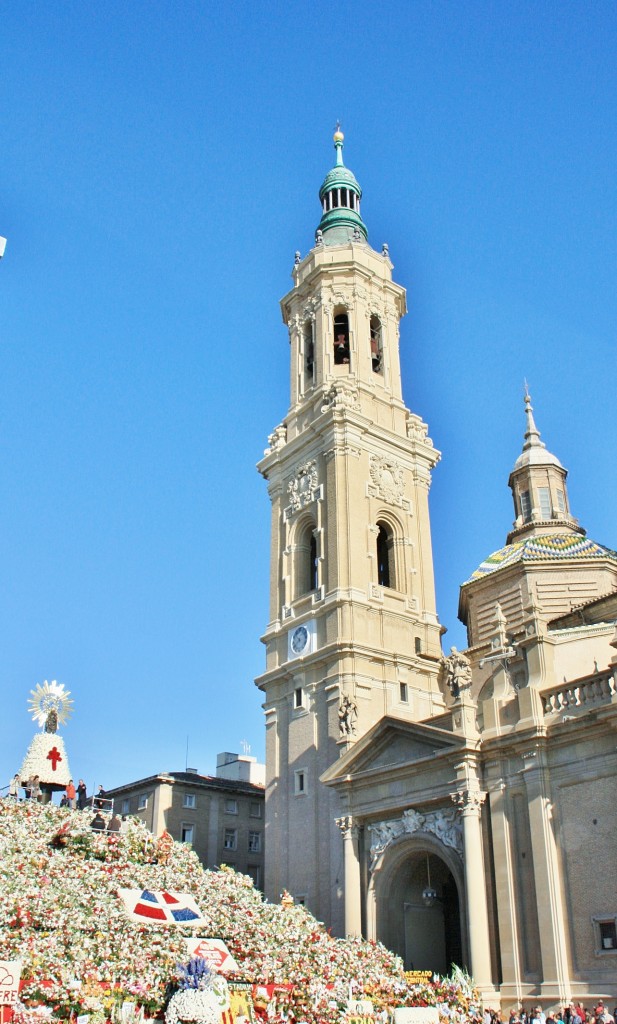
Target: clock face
(299,639)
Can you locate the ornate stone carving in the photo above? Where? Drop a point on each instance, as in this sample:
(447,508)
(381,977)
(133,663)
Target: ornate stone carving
(457,669)
(469,800)
(347,715)
(388,480)
(302,485)
(445,825)
(308,310)
(347,825)
(340,395)
(276,439)
(417,430)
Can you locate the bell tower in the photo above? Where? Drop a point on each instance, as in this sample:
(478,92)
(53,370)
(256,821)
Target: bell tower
(353,633)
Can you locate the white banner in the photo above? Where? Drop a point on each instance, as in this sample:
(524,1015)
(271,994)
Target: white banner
(10,973)
(214,952)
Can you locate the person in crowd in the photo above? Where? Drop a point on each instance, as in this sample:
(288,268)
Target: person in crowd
(35,789)
(82,795)
(14,787)
(124,824)
(70,793)
(115,824)
(98,822)
(575,1016)
(99,800)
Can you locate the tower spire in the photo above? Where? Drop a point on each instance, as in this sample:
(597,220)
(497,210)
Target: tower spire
(538,483)
(340,196)
(532,434)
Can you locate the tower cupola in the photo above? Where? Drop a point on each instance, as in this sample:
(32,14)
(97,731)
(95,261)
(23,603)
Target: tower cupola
(340,196)
(538,484)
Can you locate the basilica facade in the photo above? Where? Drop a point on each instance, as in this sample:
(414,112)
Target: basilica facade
(460,808)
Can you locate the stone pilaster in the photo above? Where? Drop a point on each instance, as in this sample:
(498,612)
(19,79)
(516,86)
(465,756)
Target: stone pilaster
(469,802)
(353,896)
(556,982)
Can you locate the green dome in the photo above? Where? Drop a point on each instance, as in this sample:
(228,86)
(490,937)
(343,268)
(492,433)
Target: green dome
(340,196)
(340,176)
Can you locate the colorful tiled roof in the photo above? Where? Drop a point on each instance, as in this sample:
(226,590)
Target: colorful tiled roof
(550,548)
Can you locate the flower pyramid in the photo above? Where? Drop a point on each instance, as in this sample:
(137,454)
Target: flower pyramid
(62,915)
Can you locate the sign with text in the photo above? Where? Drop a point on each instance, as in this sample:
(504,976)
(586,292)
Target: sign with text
(214,952)
(10,973)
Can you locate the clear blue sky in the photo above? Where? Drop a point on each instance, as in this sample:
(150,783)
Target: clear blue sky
(160,164)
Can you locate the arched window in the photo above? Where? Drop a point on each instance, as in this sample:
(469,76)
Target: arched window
(306,560)
(341,338)
(376,344)
(386,574)
(309,354)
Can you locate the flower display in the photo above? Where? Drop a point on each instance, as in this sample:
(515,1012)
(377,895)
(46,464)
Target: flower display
(61,914)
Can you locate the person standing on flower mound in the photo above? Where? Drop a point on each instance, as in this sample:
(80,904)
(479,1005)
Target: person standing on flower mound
(82,794)
(70,792)
(14,787)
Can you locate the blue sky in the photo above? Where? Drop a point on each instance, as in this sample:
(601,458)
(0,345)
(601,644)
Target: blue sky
(160,165)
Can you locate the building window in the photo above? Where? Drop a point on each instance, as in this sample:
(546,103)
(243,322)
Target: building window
(300,782)
(126,807)
(544,496)
(254,842)
(341,339)
(189,800)
(142,802)
(525,506)
(376,344)
(605,929)
(187,833)
(385,556)
(300,900)
(298,698)
(254,872)
(255,809)
(404,693)
(561,501)
(418,645)
(309,354)
(230,840)
(306,560)
(231,806)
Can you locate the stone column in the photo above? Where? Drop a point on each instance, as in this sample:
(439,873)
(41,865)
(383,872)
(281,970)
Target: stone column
(470,803)
(556,984)
(353,917)
(507,909)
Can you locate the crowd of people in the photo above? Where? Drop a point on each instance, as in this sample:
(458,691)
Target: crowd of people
(573,1013)
(74,796)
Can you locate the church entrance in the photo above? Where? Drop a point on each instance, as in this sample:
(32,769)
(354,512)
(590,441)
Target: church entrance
(418,912)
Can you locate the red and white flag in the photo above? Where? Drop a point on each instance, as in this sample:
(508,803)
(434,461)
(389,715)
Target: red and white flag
(149,906)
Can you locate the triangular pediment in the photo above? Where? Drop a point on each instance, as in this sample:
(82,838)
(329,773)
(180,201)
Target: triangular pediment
(393,743)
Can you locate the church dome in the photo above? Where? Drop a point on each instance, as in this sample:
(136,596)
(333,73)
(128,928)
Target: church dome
(557,547)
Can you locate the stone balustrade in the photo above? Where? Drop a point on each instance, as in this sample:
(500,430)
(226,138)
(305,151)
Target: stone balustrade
(601,688)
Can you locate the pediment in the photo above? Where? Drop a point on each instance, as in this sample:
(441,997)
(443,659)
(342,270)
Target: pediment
(390,744)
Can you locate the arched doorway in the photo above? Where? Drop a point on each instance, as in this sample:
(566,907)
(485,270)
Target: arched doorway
(418,906)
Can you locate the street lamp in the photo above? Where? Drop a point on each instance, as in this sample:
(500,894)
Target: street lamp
(429,894)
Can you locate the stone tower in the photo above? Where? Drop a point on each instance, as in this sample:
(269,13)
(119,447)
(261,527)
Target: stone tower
(353,634)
